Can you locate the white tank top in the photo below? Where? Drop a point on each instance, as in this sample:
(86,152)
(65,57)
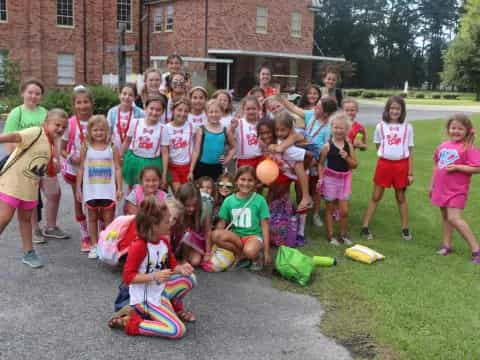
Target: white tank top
(99,175)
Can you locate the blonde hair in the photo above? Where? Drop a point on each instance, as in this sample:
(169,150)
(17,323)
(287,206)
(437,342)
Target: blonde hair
(350,100)
(81,90)
(175,207)
(217,93)
(96,120)
(343,117)
(56,113)
(213,102)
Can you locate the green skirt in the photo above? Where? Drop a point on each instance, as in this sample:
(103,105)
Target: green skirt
(133,165)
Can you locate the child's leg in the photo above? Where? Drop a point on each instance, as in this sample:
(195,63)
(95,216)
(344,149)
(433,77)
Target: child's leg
(316,197)
(402,206)
(447,229)
(454,217)
(80,216)
(229,241)
(177,288)
(52,192)
(25,225)
(107,215)
(329,209)
(78,206)
(175,186)
(343,208)
(192,256)
(93,225)
(6,214)
(164,321)
(373,203)
(252,248)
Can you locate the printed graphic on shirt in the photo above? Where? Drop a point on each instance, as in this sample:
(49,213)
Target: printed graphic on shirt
(100,171)
(447,157)
(37,167)
(157,263)
(242,218)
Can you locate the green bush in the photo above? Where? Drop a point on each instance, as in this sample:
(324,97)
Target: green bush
(369,94)
(403,95)
(7,103)
(419,96)
(450,96)
(354,93)
(105,98)
(58,99)
(436,96)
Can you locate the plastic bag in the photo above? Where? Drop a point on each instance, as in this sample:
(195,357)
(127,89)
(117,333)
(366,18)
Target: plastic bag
(293,265)
(107,248)
(363,254)
(220,260)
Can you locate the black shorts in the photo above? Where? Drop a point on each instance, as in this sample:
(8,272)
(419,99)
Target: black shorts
(100,204)
(212,170)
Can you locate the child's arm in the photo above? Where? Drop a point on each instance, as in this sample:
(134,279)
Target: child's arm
(233,148)
(131,209)
(196,152)
(467,169)
(164,166)
(10,138)
(266,241)
(207,225)
(221,224)
(303,180)
(351,158)
(292,138)
(118,173)
(63,149)
(125,146)
(80,171)
(293,108)
(410,166)
(320,165)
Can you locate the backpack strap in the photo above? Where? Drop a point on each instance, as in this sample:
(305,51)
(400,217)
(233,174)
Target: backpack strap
(242,210)
(138,194)
(72,126)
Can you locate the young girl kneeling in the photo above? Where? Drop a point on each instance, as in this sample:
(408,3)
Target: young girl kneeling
(248,214)
(157,285)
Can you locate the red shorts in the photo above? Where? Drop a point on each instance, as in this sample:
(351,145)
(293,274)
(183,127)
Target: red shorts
(253,162)
(282,179)
(245,239)
(69,178)
(179,173)
(391,173)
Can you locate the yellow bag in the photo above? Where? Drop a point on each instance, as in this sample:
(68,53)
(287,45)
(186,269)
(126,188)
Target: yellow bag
(221,259)
(363,254)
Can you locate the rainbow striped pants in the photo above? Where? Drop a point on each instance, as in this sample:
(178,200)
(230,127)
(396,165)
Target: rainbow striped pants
(163,320)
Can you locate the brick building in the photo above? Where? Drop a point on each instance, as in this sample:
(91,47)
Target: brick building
(65,42)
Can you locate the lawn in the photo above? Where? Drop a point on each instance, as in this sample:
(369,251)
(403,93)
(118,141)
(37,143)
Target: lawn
(414,304)
(459,102)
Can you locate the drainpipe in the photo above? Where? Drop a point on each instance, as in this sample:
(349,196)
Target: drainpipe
(140,36)
(206,28)
(85,70)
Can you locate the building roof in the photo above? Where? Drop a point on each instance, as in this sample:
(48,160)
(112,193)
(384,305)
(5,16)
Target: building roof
(239,52)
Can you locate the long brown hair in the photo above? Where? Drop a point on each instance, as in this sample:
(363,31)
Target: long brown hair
(151,212)
(465,121)
(188,192)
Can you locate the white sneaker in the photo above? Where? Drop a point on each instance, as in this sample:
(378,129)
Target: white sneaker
(317,220)
(38,238)
(333,241)
(346,240)
(92,254)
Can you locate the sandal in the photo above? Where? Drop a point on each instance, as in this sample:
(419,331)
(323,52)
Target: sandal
(186,316)
(444,250)
(304,209)
(118,322)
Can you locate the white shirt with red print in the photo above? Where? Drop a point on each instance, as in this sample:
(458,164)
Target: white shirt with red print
(247,140)
(394,140)
(180,141)
(197,120)
(286,160)
(147,140)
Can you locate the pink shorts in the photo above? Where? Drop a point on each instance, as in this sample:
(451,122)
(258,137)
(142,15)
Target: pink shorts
(336,185)
(18,203)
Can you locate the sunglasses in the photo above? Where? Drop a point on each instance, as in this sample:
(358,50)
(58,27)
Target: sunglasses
(226,185)
(178,83)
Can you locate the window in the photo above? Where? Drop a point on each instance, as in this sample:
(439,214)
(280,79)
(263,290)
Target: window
(296,29)
(124,13)
(65,69)
(65,12)
(3,10)
(169,18)
(3,59)
(158,20)
(261,20)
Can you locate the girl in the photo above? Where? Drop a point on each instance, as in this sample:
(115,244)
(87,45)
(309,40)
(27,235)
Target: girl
(146,142)
(275,104)
(224,186)
(180,134)
(157,285)
(99,178)
(177,91)
(245,130)
(174,65)
(151,84)
(290,162)
(206,185)
(248,214)
(393,138)
(196,227)
(27,115)
(264,77)
(72,142)
(150,181)
(310,97)
(317,131)
(455,162)
(357,134)
(20,176)
(330,81)
(226,102)
(198,98)
(209,153)
(335,176)
(119,117)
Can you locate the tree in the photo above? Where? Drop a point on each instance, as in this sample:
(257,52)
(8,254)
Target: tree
(462,58)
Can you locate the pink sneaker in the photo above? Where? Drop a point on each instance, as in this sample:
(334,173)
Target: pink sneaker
(85,248)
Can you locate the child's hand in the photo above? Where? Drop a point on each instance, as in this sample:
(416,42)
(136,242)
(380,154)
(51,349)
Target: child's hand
(319,185)
(185,269)
(190,177)
(79,196)
(343,154)
(75,160)
(452,168)
(267,259)
(119,195)
(410,179)
(274,148)
(162,275)
(207,256)
(164,183)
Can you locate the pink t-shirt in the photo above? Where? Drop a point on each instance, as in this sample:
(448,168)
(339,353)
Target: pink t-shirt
(451,189)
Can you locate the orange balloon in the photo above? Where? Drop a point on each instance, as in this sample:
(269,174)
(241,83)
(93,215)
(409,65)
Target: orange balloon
(267,171)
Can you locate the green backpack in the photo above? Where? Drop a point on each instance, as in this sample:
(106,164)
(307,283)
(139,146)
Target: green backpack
(293,265)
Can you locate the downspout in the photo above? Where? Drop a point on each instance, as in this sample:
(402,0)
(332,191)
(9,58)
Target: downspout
(85,70)
(140,36)
(148,36)
(206,28)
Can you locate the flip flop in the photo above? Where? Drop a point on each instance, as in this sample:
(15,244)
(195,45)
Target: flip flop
(186,316)
(118,322)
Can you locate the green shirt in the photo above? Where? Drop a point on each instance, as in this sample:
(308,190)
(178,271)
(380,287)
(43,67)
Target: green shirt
(21,118)
(246,222)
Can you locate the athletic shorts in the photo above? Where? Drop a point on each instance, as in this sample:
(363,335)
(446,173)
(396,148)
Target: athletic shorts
(253,162)
(179,173)
(390,173)
(245,239)
(100,204)
(18,203)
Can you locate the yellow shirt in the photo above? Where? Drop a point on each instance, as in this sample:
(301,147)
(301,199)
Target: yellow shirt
(21,180)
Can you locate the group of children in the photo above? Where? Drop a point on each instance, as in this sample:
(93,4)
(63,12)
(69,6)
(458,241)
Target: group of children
(189,166)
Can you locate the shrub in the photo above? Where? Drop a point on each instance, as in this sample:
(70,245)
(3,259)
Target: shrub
(58,99)
(369,94)
(436,96)
(105,98)
(354,93)
(450,96)
(7,103)
(419,96)
(403,95)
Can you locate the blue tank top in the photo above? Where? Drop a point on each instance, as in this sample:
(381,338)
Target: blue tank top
(213,147)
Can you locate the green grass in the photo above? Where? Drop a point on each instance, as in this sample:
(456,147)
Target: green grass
(414,304)
(459,102)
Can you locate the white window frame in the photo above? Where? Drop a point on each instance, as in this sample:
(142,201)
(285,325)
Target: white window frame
(158,24)
(169,12)
(65,69)
(5,11)
(72,2)
(296,25)
(127,4)
(261,20)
